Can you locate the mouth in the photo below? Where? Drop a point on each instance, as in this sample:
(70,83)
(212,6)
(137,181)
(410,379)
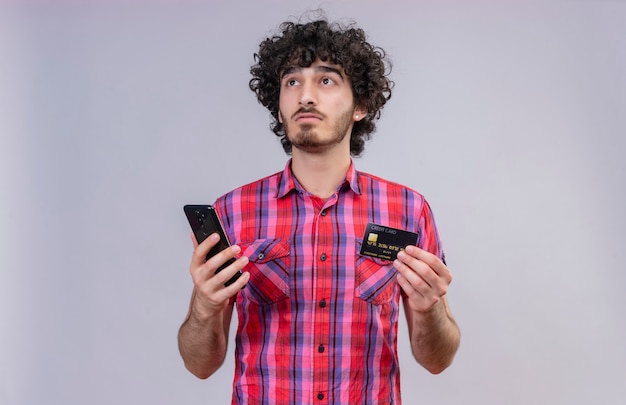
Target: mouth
(307,118)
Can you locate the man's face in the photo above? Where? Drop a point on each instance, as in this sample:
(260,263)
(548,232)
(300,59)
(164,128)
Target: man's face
(316,106)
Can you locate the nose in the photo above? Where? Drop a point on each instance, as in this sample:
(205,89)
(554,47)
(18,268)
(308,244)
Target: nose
(308,95)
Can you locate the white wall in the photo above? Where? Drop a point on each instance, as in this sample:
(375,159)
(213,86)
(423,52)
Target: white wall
(508,116)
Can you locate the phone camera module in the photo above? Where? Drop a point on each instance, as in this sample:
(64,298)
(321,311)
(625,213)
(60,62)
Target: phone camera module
(200,217)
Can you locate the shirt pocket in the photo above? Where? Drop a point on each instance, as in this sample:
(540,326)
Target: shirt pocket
(375,278)
(269,270)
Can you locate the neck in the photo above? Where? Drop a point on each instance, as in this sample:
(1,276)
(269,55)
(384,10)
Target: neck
(320,174)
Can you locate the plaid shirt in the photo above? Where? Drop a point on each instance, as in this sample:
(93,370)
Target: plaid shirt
(318,321)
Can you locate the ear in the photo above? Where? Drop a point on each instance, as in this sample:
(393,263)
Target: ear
(280,117)
(359,113)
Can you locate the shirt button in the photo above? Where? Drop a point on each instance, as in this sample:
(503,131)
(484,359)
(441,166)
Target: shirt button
(323,257)
(261,256)
(323,213)
(323,303)
(320,395)
(321,349)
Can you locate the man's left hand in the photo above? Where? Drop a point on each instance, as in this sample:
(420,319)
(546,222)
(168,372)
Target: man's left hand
(423,277)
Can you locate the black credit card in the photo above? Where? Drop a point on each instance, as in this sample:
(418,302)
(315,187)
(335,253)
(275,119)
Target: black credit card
(385,242)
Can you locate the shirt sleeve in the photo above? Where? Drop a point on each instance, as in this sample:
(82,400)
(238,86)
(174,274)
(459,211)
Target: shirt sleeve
(429,236)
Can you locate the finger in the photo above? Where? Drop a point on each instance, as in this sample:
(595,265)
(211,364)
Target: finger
(222,257)
(200,272)
(240,283)
(414,268)
(408,287)
(214,289)
(193,240)
(200,251)
(225,274)
(420,293)
(423,278)
(431,260)
(415,298)
(415,276)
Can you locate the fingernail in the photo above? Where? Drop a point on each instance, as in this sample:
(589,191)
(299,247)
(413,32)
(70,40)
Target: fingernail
(236,249)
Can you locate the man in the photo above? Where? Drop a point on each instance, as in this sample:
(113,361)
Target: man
(318,320)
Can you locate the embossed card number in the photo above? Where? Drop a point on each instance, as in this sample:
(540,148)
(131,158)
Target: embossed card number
(384,242)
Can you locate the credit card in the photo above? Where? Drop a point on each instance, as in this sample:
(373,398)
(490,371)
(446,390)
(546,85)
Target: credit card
(384,242)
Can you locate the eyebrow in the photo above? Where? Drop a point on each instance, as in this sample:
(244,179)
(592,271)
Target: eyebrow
(324,69)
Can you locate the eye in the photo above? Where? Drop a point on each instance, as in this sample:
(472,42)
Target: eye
(327,81)
(291,82)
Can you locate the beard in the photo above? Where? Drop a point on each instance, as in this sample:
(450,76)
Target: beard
(307,139)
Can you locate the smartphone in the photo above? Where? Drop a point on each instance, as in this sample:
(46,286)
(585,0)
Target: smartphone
(204,222)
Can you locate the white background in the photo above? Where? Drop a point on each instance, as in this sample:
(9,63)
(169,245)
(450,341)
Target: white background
(508,116)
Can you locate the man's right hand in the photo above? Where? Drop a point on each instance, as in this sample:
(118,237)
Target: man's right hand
(210,294)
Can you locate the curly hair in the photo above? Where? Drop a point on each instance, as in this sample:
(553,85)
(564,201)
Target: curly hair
(366,66)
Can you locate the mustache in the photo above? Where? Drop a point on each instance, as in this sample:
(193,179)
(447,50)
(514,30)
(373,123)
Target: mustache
(308,110)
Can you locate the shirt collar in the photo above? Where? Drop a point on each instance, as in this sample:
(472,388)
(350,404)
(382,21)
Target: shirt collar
(288,182)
